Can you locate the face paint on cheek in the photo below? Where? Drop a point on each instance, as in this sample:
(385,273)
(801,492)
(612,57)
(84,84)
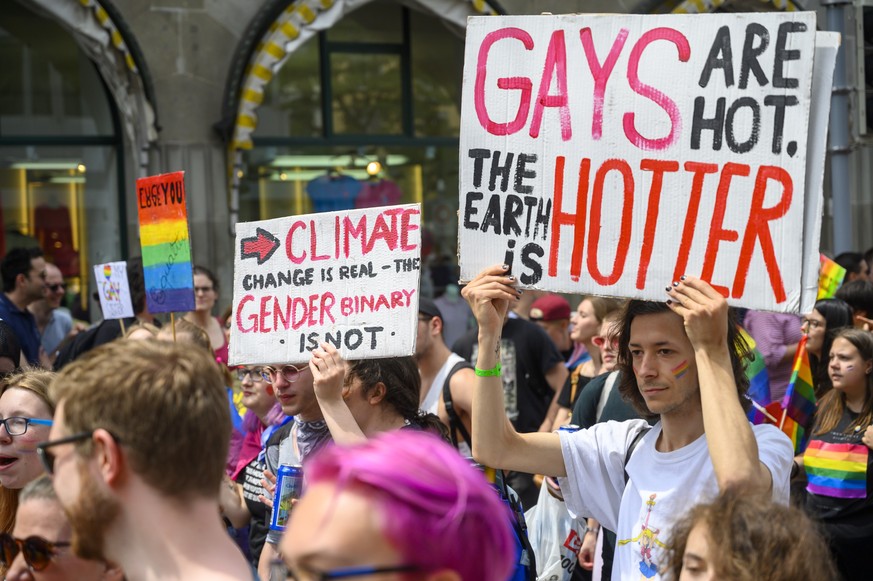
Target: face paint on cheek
(850,367)
(680,369)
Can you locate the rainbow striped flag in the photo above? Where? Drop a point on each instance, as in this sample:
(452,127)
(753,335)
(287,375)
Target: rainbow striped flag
(759,381)
(836,470)
(799,401)
(166,248)
(830,277)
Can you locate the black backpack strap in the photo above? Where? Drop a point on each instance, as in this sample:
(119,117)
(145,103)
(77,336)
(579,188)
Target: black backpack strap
(519,524)
(631,448)
(455,423)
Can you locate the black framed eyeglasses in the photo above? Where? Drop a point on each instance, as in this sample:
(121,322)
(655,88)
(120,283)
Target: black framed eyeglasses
(291,373)
(48,458)
(309,574)
(37,551)
(17,425)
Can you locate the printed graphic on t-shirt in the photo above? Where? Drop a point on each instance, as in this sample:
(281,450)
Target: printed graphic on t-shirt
(648,540)
(836,470)
(509,374)
(251,486)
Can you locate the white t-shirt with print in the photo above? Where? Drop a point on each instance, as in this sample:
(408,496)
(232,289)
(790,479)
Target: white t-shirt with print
(662,486)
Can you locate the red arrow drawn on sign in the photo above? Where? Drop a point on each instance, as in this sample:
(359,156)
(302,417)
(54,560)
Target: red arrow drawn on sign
(262,246)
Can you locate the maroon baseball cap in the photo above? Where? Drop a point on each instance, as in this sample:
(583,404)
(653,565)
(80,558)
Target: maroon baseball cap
(550,307)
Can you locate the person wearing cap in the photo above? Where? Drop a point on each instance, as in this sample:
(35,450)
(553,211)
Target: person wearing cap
(439,367)
(552,313)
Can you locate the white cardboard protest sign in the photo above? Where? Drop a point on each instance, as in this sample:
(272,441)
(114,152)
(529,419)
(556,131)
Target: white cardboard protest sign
(611,154)
(113,290)
(348,278)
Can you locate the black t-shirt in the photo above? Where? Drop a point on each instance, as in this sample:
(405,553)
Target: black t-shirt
(250,480)
(573,386)
(838,469)
(526,355)
(840,494)
(615,408)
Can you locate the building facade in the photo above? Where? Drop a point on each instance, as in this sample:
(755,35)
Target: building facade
(271,107)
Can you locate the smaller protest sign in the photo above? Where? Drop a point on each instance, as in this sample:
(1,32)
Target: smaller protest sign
(346,278)
(113,290)
(830,278)
(166,249)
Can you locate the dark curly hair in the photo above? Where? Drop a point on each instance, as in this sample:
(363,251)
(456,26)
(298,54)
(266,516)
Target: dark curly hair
(628,387)
(402,389)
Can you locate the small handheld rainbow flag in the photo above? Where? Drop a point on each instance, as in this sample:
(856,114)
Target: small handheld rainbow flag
(830,278)
(799,402)
(759,381)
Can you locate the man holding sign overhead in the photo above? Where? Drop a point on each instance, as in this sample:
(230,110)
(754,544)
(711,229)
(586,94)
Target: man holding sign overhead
(681,360)
(611,155)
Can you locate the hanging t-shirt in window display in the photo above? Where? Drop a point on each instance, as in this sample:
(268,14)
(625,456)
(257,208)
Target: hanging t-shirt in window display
(378,192)
(54,230)
(332,192)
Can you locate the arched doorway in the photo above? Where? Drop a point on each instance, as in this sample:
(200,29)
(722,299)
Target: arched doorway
(364,111)
(61,150)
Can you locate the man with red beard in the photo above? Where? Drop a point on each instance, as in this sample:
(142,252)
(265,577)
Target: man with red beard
(137,455)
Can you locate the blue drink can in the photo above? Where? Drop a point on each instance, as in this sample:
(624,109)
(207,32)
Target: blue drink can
(289,486)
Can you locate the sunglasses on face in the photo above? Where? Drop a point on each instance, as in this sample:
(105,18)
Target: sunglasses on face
(56,287)
(600,341)
(38,552)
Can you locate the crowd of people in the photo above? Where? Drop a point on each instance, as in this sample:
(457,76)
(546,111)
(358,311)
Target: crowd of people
(130,450)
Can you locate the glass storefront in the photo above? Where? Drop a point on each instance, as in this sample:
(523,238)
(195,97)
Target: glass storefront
(60,150)
(365,114)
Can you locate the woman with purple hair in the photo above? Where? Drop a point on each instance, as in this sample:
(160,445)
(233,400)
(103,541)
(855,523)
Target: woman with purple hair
(239,499)
(402,505)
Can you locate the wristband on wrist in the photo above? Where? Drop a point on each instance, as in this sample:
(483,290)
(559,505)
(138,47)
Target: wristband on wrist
(495,372)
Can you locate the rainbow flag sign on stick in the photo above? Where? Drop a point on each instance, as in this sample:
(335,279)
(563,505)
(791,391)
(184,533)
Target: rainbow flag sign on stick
(166,248)
(799,401)
(830,278)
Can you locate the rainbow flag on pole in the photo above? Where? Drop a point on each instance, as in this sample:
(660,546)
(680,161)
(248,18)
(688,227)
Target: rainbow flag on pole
(799,401)
(759,381)
(166,248)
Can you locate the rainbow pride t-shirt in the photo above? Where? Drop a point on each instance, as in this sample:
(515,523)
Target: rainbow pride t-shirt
(838,470)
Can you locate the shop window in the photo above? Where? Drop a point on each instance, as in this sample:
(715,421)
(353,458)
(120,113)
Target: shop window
(60,151)
(365,114)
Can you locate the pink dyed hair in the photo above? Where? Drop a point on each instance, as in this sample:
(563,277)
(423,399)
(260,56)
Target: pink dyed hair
(440,512)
